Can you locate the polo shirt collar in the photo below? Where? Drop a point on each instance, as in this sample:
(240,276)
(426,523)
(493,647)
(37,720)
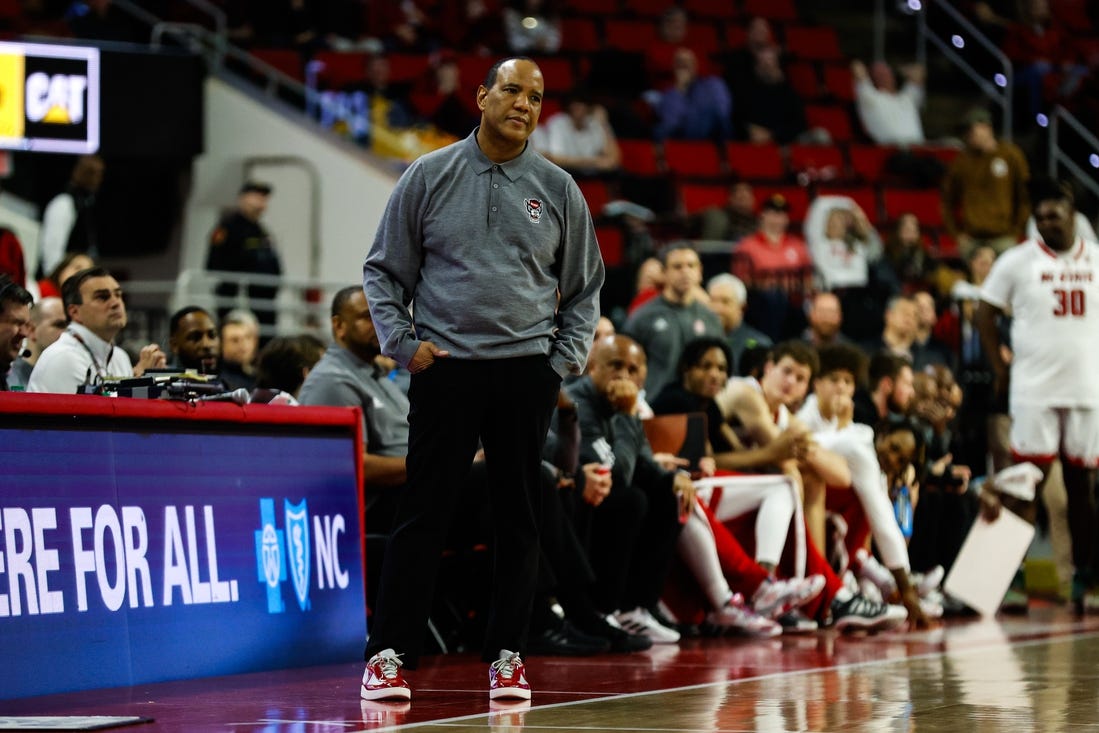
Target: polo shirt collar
(100,348)
(479,162)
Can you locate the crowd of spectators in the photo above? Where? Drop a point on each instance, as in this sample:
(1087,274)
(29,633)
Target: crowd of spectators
(892,319)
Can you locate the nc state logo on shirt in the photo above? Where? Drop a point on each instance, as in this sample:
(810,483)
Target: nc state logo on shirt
(534,210)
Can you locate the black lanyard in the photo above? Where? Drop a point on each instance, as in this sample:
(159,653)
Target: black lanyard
(100,371)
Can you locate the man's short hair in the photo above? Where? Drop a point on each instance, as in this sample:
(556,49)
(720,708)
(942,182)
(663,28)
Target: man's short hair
(339,300)
(12,292)
(70,289)
(842,357)
(239,317)
(735,282)
(256,187)
(1047,188)
(695,349)
(799,351)
(884,365)
(281,362)
(677,246)
(179,315)
(494,70)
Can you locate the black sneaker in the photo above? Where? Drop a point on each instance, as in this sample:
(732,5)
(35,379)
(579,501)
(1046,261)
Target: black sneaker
(796,622)
(620,640)
(565,640)
(859,612)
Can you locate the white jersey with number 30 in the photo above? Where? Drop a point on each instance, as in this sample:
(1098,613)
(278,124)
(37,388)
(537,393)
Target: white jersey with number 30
(1054,299)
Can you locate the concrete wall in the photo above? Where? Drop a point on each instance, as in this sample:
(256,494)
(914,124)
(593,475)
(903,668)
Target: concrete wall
(313,175)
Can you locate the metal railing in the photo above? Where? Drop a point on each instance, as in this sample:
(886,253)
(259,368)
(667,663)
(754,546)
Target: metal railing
(999,88)
(1059,156)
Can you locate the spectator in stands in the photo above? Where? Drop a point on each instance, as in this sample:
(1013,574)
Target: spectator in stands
(759,36)
(193,340)
(986,185)
(241,244)
(663,325)
(928,349)
(404,27)
(441,98)
(631,534)
(1042,52)
(775,265)
(890,116)
(472,26)
(85,353)
(579,138)
(672,34)
(825,315)
(15,326)
(769,109)
(239,336)
(728,298)
(842,243)
(889,392)
(68,221)
(283,364)
(733,221)
(899,331)
(650,283)
(908,259)
(693,106)
(47,323)
(532,27)
(389,101)
(69,265)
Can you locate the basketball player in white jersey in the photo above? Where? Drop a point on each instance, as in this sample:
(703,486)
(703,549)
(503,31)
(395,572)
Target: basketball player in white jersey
(1051,286)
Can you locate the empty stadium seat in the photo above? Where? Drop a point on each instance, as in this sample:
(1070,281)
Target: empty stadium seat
(579,35)
(839,82)
(557,73)
(868,161)
(646,8)
(834,118)
(783,11)
(926,204)
(693,158)
(630,35)
(286,60)
(639,157)
(408,67)
(755,162)
(803,77)
(824,160)
(336,68)
(595,193)
(816,43)
(611,245)
(698,196)
(711,9)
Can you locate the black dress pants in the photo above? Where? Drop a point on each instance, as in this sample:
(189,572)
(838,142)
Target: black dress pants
(506,405)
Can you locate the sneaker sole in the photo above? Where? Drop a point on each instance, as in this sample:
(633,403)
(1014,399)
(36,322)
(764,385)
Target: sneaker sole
(882,623)
(389,693)
(509,693)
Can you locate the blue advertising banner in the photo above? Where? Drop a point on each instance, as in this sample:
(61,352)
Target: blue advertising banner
(130,556)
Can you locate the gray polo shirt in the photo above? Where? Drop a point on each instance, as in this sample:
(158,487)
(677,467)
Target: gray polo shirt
(484,250)
(342,379)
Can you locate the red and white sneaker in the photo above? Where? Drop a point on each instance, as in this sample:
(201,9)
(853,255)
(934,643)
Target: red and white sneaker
(382,679)
(507,678)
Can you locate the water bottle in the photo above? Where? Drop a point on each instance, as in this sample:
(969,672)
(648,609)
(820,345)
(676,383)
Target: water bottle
(902,508)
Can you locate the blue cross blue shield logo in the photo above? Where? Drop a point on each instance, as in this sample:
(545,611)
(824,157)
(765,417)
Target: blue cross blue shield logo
(297,550)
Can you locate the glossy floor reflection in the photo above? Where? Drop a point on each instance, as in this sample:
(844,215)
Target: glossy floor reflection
(1040,673)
